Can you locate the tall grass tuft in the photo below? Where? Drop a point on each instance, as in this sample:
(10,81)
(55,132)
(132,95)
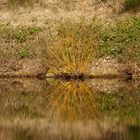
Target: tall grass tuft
(131,4)
(72,49)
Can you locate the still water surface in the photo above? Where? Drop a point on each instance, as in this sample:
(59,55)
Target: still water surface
(98,109)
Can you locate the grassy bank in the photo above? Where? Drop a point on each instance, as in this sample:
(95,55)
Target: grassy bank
(70,47)
(120,40)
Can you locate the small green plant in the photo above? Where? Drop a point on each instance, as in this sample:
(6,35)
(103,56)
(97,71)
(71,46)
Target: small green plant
(131,4)
(23,52)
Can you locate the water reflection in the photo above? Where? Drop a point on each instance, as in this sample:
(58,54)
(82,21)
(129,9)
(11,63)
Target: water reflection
(99,109)
(72,100)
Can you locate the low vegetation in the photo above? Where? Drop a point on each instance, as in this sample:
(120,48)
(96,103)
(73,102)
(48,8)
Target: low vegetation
(17,3)
(19,33)
(15,40)
(131,5)
(70,47)
(121,40)
(77,44)
(23,52)
(116,5)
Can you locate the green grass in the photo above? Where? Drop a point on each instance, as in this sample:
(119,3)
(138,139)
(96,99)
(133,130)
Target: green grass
(23,52)
(16,41)
(19,33)
(70,47)
(131,4)
(121,40)
(17,3)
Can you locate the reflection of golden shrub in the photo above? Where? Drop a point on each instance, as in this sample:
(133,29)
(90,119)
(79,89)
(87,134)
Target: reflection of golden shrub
(73,100)
(73,49)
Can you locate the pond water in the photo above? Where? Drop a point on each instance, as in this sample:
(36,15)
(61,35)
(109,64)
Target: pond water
(98,109)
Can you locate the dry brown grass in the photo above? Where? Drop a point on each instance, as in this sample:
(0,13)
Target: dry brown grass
(40,12)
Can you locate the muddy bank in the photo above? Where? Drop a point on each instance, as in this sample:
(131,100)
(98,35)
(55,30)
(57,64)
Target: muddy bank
(111,66)
(106,67)
(23,68)
(101,68)
(36,85)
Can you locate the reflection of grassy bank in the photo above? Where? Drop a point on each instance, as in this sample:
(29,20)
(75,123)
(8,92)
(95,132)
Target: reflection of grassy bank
(121,106)
(42,129)
(58,109)
(68,101)
(75,101)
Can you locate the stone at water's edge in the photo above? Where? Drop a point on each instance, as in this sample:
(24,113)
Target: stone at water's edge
(49,75)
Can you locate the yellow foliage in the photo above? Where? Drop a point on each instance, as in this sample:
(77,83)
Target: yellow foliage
(73,49)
